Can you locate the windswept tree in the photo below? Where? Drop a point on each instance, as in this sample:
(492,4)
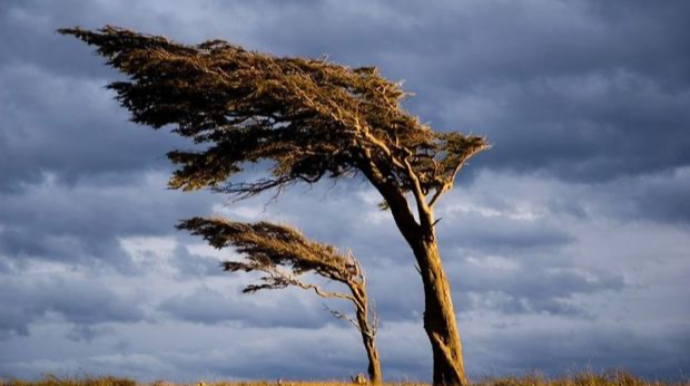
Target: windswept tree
(283,255)
(312,119)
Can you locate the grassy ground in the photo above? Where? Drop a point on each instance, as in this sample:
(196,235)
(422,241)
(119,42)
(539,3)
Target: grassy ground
(583,379)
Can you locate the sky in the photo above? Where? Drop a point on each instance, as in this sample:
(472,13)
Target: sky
(566,244)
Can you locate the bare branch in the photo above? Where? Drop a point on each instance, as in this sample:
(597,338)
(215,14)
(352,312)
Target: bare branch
(375,319)
(425,214)
(324,294)
(339,315)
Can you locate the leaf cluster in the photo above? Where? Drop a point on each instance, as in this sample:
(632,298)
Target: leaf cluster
(309,117)
(272,248)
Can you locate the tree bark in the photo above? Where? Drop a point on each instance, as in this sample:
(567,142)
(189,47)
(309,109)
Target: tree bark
(368,332)
(439,313)
(374,369)
(439,318)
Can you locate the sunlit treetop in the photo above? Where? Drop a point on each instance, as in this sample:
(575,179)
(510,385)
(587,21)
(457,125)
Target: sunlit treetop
(312,118)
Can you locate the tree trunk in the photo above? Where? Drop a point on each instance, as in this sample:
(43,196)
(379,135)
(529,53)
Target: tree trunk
(374,369)
(368,332)
(439,315)
(439,318)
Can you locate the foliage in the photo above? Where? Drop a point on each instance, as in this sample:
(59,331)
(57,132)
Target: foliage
(283,254)
(312,118)
(268,246)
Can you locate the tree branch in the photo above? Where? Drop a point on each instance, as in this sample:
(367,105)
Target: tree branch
(339,315)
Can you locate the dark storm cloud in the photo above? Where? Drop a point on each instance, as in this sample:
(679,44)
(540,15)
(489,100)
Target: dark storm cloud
(81,302)
(508,260)
(206,305)
(662,197)
(27,32)
(504,285)
(558,87)
(56,114)
(509,287)
(326,353)
(574,89)
(589,127)
(83,223)
(597,348)
(68,126)
(562,83)
(500,234)
(191,266)
(87,333)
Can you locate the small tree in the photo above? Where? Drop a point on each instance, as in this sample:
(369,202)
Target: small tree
(283,254)
(312,119)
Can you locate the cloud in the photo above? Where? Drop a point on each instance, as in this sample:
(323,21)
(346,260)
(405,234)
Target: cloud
(660,197)
(51,124)
(208,306)
(82,223)
(571,347)
(82,302)
(579,127)
(556,86)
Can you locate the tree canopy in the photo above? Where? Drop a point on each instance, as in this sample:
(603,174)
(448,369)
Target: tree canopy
(269,248)
(310,117)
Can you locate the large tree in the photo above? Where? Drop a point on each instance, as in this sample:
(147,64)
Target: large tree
(284,255)
(311,119)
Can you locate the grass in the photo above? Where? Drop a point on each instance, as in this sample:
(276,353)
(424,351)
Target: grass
(616,378)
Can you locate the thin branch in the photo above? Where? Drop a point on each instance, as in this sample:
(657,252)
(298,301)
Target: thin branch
(324,294)
(339,315)
(425,214)
(437,194)
(375,319)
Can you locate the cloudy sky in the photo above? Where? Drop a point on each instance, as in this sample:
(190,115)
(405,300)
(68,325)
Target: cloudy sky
(566,244)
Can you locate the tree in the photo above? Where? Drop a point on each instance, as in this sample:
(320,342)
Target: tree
(283,254)
(311,119)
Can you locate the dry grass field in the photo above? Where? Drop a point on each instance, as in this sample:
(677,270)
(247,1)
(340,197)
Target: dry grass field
(617,378)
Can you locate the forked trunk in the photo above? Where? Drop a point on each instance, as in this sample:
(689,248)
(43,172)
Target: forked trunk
(439,319)
(439,315)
